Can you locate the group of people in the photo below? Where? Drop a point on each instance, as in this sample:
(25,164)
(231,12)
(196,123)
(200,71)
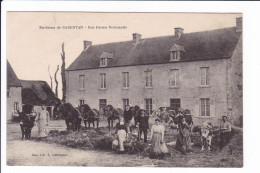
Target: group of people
(158,145)
(42,119)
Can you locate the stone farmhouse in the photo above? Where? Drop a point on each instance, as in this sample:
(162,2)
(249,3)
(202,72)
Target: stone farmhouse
(200,71)
(14,93)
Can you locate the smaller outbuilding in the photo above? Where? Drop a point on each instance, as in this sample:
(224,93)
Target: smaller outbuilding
(38,93)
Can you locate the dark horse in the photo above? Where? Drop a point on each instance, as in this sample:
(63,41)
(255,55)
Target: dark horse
(112,114)
(26,122)
(89,115)
(135,113)
(71,115)
(186,114)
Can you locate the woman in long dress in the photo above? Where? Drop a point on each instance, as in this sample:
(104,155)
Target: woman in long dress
(158,144)
(42,119)
(183,142)
(121,133)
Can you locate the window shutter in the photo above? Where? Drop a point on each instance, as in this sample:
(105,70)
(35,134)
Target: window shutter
(212,107)
(197,108)
(208,76)
(154,104)
(177,78)
(130,102)
(142,104)
(119,103)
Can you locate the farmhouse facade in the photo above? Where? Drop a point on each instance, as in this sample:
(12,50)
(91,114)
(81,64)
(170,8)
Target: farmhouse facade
(14,93)
(199,71)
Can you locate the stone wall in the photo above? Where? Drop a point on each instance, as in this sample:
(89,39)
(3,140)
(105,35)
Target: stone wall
(188,91)
(15,95)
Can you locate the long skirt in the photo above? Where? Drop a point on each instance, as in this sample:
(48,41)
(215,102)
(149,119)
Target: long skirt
(158,147)
(42,129)
(183,142)
(121,138)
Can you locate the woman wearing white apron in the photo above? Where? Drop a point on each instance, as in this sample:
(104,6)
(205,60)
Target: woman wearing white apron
(121,133)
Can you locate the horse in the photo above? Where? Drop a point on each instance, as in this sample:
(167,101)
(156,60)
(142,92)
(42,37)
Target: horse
(89,115)
(112,114)
(70,114)
(56,115)
(135,110)
(183,113)
(26,124)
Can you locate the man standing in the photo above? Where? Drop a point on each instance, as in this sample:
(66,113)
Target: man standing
(143,125)
(225,129)
(127,117)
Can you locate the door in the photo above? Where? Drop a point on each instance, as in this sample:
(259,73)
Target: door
(102,103)
(125,102)
(175,103)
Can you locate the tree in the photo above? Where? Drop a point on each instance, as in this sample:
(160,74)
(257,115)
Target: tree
(63,77)
(50,75)
(56,81)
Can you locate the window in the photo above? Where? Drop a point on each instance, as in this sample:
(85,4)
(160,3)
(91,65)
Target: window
(16,106)
(81,102)
(103,80)
(175,55)
(205,107)
(204,76)
(174,78)
(102,103)
(125,79)
(103,62)
(149,105)
(81,81)
(175,103)
(125,102)
(148,79)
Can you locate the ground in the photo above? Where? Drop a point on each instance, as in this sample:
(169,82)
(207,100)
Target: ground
(41,153)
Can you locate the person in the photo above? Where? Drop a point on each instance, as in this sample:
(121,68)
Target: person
(225,130)
(183,142)
(42,119)
(127,118)
(143,125)
(164,115)
(206,135)
(121,133)
(158,147)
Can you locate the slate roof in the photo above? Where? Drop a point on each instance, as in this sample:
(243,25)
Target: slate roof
(12,79)
(37,93)
(214,44)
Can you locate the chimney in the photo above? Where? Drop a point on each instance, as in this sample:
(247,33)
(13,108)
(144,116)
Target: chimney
(136,37)
(178,32)
(239,24)
(87,44)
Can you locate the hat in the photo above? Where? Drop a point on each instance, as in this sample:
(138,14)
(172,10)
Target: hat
(224,116)
(157,119)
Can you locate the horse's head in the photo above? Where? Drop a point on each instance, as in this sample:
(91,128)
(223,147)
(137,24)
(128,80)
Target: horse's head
(63,110)
(107,110)
(135,110)
(109,107)
(81,108)
(120,112)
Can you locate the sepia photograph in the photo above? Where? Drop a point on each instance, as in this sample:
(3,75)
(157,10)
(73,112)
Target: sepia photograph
(96,89)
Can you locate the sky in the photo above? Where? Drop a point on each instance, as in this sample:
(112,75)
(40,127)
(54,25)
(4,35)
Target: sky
(30,50)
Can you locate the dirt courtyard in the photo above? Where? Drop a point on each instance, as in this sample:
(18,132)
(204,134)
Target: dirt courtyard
(39,153)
